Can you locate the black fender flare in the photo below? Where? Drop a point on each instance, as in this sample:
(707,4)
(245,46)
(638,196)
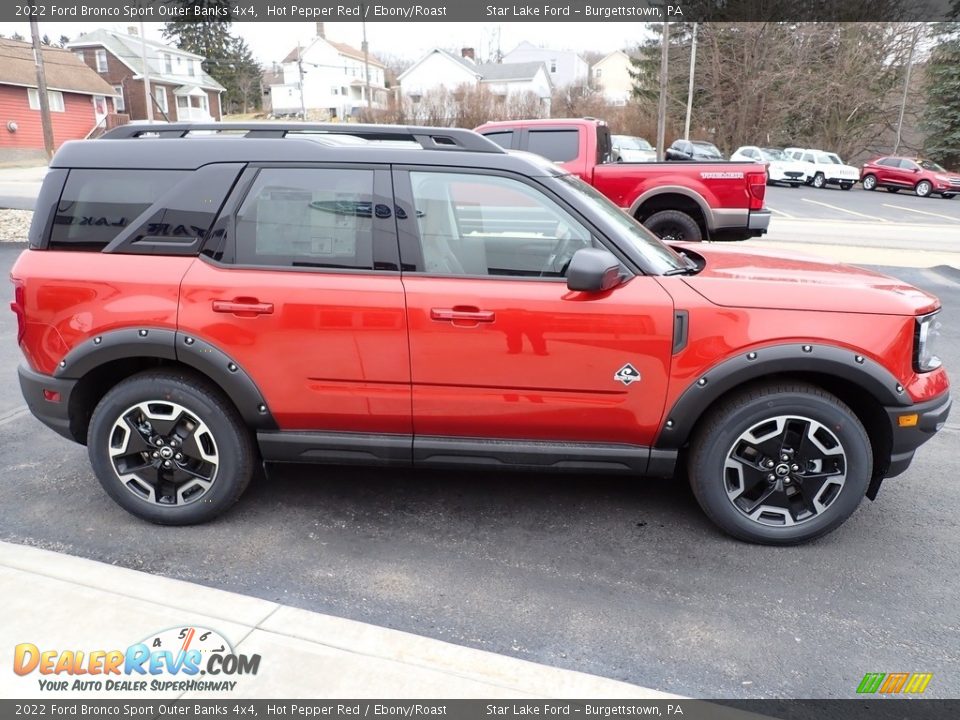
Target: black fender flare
(842,363)
(166,344)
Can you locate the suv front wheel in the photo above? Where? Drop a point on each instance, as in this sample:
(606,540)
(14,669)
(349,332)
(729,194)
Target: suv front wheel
(780,464)
(169,448)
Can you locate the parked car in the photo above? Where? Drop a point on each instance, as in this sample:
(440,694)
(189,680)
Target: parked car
(828,168)
(780,167)
(924,177)
(693,150)
(677,201)
(627,148)
(272,298)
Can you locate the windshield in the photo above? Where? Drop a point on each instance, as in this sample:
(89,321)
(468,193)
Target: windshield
(661,257)
(631,143)
(707,149)
(773,154)
(930,165)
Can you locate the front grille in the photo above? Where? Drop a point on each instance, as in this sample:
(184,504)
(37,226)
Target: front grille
(954,182)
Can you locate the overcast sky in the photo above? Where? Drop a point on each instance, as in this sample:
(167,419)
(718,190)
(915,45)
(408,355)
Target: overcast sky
(271,41)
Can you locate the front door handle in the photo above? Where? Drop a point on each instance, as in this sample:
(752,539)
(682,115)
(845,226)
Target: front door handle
(462,313)
(244,307)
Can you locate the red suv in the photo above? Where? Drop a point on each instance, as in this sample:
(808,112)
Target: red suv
(193,306)
(924,177)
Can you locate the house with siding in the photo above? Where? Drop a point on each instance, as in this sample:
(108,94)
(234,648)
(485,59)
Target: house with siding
(79,99)
(611,76)
(334,80)
(564,67)
(441,69)
(179,87)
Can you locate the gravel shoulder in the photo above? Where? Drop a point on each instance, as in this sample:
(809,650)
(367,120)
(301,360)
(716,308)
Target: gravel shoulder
(14,225)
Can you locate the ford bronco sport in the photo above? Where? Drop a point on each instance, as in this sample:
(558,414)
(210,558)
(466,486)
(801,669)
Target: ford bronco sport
(199,299)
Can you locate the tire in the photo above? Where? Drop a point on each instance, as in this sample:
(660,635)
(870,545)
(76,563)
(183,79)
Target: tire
(923,188)
(196,431)
(770,412)
(846,186)
(870,182)
(673,225)
(819,181)
(893,189)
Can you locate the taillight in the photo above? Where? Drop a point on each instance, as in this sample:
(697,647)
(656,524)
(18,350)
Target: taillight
(758,189)
(19,306)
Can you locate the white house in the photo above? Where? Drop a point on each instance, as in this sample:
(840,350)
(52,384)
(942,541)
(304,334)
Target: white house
(441,69)
(611,76)
(565,67)
(334,80)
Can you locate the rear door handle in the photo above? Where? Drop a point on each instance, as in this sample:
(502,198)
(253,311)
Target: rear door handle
(461,313)
(244,307)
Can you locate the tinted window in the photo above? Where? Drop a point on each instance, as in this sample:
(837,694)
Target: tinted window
(307,217)
(96,205)
(503,139)
(555,145)
(487,225)
(908,164)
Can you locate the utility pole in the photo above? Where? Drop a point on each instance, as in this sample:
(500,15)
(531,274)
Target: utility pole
(42,88)
(148,93)
(366,62)
(662,109)
(693,64)
(906,86)
(303,103)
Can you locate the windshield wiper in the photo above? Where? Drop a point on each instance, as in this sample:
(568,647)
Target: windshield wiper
(689,270)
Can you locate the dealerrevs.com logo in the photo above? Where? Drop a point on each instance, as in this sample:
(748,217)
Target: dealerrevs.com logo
(177,659)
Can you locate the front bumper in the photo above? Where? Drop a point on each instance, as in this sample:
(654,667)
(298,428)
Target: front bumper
(54,414)
(932,414)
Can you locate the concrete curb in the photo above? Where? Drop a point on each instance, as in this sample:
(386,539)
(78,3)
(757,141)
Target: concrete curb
(61,602)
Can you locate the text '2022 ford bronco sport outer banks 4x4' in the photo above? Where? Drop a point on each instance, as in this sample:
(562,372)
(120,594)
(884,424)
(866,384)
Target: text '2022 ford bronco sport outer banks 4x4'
(195,303)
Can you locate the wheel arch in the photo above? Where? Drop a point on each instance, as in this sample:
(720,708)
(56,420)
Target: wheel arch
(861,383)
(674,197)
(101,362)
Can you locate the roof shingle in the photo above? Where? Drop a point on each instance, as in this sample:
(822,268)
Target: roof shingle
(64,70)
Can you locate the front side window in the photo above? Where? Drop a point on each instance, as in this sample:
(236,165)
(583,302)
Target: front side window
(908,165)
(308,218)
(489,225)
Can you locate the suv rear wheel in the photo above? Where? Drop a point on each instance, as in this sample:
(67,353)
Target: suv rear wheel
(780,464)
(169,448)
(673,225)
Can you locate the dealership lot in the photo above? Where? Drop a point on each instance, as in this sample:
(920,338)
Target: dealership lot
(610,576)
(857,204)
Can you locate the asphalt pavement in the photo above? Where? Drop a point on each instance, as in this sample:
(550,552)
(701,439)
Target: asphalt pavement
(617,577)
(857,204)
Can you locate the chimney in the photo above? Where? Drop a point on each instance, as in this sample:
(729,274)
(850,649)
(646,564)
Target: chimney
(132,30)
(468,54)
(320,32)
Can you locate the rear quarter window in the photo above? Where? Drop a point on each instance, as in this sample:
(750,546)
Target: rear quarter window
(555,145)
(96,205)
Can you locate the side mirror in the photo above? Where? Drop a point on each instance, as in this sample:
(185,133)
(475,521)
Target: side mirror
(593,270)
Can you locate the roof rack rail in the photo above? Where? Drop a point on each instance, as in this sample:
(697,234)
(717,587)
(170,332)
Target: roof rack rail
(429,138)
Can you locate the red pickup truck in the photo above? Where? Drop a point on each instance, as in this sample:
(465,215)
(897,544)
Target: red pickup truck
(675,200)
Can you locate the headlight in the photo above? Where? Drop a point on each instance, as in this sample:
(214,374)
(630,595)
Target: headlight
(926,337)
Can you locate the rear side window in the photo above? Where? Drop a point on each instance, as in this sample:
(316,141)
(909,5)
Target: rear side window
(96,205)
(555,145)
(309,218)
(503,138)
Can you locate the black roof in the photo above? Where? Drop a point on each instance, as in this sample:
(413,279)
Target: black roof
(187,146)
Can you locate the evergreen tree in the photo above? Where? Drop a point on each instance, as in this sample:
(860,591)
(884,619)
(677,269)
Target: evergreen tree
(227,59)
(62,42)
(45,40)
(941,118)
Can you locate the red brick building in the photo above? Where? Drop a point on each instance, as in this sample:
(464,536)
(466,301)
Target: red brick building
(179,87)
(80,100)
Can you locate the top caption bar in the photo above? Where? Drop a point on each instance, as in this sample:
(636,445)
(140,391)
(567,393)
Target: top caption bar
(469,11)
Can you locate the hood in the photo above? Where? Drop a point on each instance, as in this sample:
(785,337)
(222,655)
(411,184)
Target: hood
(786,281)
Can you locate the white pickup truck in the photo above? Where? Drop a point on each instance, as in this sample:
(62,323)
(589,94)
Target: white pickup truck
(828,169)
